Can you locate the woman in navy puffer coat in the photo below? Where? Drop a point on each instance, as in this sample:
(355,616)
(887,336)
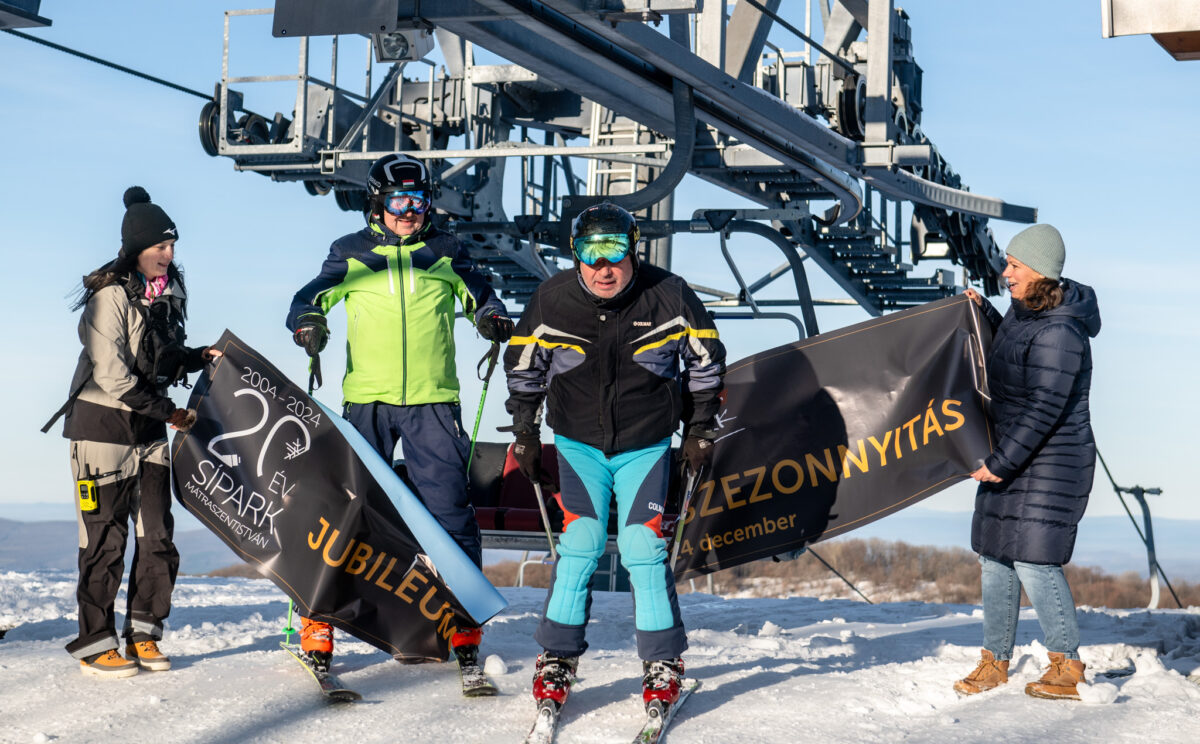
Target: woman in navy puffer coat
(1034,485)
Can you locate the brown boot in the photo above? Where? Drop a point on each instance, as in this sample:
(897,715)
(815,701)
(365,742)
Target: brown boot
(988,674)
(1060,680)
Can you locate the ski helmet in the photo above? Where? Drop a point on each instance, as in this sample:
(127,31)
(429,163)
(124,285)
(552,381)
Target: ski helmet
(604,220)
(392,173)
(397,172)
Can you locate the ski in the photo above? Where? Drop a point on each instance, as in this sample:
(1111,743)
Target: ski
(475,682)
(331,687)
(546,723)
(659,715)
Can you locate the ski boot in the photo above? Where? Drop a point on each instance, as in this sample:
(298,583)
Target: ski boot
(316,641)
(465,646)
(660,680)
(553,677)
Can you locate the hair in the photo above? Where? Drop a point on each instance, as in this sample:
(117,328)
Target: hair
(1043,294)
(111,273)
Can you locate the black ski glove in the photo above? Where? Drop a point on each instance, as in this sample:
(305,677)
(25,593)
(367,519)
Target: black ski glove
(528,453)
(495,327)
(697,450)
(312,335)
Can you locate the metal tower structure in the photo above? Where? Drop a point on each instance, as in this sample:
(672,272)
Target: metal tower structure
(825,138)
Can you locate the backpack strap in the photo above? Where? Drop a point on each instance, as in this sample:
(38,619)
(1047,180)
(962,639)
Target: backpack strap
(66,406)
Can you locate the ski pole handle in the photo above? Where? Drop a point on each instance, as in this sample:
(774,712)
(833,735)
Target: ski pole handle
(314,373)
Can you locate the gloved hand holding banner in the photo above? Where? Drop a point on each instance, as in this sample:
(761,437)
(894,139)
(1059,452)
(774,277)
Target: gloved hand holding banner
(830,433)
(296,492)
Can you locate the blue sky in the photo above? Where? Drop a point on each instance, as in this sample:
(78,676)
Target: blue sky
(1024,99)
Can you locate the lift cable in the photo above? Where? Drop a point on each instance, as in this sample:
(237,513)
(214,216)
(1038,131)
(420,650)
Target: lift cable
(803,36)
(106,63)
(1133,519)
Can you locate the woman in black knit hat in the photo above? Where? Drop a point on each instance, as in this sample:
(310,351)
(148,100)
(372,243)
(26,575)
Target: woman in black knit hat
(133,350)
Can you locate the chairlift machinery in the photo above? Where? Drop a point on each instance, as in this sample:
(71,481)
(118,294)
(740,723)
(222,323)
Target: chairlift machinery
(825,140)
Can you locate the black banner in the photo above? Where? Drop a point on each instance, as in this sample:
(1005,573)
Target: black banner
(830,433)
(267,469)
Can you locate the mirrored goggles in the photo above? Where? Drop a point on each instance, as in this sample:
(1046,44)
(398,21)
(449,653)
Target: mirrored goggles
(400,203)
(612,247)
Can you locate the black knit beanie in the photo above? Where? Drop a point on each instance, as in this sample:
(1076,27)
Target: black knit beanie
(145,224)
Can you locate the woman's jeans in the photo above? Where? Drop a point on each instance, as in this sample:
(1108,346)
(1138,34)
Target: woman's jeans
(1051,597)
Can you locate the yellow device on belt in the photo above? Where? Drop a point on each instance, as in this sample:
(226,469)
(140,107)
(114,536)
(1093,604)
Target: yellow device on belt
(87,495)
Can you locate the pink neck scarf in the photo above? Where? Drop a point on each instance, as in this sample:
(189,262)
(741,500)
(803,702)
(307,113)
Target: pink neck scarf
(155,287)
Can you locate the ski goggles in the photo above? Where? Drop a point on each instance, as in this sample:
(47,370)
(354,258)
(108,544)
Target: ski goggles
(612,247)
(400,203)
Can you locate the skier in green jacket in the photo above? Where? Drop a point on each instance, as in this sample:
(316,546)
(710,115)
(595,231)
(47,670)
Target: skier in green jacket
(400,277)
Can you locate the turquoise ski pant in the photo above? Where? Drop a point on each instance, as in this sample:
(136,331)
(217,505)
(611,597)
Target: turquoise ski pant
(589,480)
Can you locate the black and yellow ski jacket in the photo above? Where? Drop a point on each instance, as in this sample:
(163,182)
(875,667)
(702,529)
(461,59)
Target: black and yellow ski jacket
(617,374)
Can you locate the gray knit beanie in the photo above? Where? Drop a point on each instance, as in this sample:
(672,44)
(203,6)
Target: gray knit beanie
(1040,247)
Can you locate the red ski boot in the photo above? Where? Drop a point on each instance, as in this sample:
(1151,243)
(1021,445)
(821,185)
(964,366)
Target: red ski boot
(660,680)
(553,677)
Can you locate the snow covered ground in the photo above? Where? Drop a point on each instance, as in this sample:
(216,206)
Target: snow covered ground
(773,670)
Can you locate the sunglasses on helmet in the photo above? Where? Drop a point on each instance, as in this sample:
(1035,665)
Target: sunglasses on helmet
(612,247)
(400,203)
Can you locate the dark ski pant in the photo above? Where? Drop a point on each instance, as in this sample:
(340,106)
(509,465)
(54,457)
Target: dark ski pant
(140,490)
(435,454)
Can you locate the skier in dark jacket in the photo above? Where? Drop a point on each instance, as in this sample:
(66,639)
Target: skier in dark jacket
(400,277)
(602,346)
(132,334)
(1034,485)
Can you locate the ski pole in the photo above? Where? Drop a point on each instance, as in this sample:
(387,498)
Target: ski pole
(537,489)
(677,538)
(287,631)
(491,357)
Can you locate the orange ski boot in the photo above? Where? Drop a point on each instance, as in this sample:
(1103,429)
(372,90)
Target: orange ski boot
(316,641)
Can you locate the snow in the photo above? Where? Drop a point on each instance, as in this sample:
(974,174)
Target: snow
(773,670)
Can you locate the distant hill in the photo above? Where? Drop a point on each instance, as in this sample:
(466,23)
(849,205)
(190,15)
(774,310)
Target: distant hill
(43,535)
(887,571)
(1108,543)
(31,546)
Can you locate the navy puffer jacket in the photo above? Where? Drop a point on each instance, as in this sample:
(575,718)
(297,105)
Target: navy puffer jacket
(1039,373)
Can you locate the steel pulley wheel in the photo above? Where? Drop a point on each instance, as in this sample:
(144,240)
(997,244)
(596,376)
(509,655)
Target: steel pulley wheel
(255,130)
(351,200)
(851,105)
(318,188)
(209,121)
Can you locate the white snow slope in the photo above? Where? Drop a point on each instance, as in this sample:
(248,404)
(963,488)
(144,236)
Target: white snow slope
(773,670)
